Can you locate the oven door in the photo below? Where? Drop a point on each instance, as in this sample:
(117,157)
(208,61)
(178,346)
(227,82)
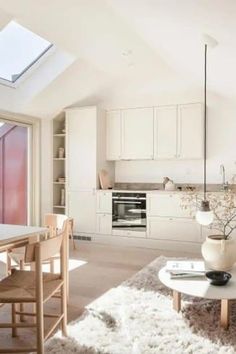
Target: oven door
(129,214)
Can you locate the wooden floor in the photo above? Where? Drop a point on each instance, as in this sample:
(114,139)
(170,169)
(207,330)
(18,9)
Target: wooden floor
(94,269)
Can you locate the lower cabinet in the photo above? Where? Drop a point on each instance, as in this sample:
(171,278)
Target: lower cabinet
(173,229)
(103,224)
(82,208)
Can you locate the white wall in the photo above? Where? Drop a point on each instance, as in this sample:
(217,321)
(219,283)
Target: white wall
(221,148)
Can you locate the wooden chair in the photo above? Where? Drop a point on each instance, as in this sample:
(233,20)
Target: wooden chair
(55,223)
(37,287)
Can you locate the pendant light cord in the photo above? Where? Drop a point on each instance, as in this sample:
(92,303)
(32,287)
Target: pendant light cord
(205,120)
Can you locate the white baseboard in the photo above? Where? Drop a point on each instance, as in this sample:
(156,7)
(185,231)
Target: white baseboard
(189,247)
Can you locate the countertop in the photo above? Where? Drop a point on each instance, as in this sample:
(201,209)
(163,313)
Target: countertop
(158,188)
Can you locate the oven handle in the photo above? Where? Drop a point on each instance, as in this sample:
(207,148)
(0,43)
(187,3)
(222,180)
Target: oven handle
(128,198)
(124,202)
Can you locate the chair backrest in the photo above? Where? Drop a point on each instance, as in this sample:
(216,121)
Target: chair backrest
(40,251)
(48,248)
(55,223)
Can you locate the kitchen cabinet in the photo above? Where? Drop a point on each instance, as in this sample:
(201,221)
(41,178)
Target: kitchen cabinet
(85,151)
(166,204)
(113,135)
(137,133)
(165,132)
(104,224)
(129,233)
(81,148)
(82,208)
(104,202)
(190,131)
(173,229)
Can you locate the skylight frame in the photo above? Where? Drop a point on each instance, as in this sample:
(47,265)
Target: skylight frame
(29,68)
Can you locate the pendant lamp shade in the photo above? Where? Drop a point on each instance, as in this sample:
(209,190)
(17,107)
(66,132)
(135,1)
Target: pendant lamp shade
(204,215)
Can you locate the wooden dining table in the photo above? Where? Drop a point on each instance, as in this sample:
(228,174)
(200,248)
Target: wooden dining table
(12,236)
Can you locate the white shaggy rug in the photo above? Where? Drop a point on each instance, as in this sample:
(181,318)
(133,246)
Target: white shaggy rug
(137,318)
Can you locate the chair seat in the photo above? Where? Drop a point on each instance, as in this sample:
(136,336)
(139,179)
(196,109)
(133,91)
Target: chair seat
(20,286)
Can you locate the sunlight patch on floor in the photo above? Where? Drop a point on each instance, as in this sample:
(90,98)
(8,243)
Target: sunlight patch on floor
(73,264)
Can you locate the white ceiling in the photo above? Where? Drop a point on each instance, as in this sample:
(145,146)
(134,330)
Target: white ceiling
(123,48)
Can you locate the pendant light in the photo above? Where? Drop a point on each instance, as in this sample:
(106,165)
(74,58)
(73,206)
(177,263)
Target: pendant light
(204,215)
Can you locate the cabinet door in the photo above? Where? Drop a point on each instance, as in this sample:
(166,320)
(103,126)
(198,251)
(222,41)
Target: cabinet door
(137,134)
(104,202)
(173,229)
(166,204)
(113,135)
(81,148)
(190,137)
(165,132)
(104,222)
(82,208)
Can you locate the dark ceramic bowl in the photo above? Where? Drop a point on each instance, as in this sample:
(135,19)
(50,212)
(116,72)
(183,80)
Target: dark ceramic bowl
(217,277)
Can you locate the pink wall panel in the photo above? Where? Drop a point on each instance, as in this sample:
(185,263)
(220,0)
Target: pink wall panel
(13,180)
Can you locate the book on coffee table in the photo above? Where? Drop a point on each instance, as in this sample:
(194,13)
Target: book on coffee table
(185,269)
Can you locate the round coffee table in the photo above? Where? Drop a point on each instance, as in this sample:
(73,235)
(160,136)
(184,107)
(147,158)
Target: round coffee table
(202,288)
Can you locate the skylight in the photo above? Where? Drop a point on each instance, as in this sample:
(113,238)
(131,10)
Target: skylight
(20,49)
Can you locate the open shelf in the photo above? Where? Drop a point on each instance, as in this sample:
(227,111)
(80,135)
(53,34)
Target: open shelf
(59,168)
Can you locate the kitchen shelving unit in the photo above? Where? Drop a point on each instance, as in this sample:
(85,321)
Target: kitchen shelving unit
(59,164)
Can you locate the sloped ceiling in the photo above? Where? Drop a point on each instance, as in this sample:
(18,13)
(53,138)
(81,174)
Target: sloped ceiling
(127,47)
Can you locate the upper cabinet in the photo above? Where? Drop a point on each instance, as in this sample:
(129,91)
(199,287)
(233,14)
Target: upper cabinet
(113,135)
(190,117)
(164,132)
(137,134)
(81,148)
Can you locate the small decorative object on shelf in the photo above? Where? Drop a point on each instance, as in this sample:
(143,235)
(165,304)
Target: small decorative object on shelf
(61,179)
(61,152)
(62,197)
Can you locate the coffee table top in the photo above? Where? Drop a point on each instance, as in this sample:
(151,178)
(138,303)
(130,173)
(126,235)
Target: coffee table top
(200,287)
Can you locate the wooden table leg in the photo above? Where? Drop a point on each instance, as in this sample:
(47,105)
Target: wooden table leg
(176,300)
(224,315)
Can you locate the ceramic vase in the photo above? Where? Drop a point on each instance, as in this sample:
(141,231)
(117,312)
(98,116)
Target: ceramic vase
(218,253)
(62,197)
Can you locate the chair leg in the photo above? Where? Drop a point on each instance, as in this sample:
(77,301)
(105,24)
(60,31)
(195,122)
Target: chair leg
(40,327)
(13,317)
(8,267)
(64,309)
(71,232)
(73,240)
(22,318)
(52,270)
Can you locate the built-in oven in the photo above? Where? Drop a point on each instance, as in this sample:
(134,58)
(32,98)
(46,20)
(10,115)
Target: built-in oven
(129,211)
